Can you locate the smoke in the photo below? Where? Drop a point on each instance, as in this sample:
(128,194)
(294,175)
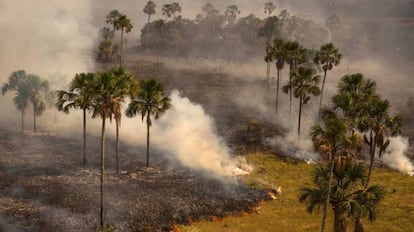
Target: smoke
(395,158)
(188,134)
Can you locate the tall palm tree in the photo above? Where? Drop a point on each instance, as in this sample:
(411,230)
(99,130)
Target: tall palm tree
(379,125)
(303,84)
(124,24)
(268,29)
(278,52)
(151,101)
(38,88)
(21,100)
(79,96)
(349,199)
(105,104)
(149,9)
(332,139)
(328,56)
(295,55)
(126,85)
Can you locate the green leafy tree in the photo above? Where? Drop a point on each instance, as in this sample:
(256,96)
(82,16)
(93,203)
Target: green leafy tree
(79,96)
(350,199)
(303,84)
(167,11)
(124,24)
(327,57)
(149,9)
(175,8)
(151,101)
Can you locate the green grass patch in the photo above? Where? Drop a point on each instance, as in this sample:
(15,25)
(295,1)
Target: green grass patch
(396,212)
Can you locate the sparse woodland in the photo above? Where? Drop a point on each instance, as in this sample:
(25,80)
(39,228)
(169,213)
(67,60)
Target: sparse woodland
(350,132)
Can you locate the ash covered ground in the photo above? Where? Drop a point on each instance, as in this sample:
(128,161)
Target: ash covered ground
(43,187)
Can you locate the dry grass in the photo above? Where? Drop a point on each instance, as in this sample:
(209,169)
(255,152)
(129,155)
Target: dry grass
(287,214)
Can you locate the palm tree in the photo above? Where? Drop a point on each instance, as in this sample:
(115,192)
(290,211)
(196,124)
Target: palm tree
(124,24)
(231,13)
(267,31)
(150,101)
(175,8)
(112,17)
(295,55)
(149,9)
(167,11)
(37,88)
(349,199)
(79,96)
(278,52)
(269,7)
(379,125)
(126,85)
(21,100)
(28,88)
(105,103)
(328,57)
(332,139)
(303,84)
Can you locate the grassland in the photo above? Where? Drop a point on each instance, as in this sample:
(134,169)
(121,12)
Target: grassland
(396,212)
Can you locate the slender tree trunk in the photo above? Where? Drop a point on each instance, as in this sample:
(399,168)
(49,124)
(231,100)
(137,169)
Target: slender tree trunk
(290,89)
(148,137)
(22,120)
(117,146)
(122,50)
(102,172)
(277,89)
(340,223)
(371,158)
(34,117)
(84,137)
(300,114)
(268,73)
(359,227)
(328,193)
(323,86)
(149,16)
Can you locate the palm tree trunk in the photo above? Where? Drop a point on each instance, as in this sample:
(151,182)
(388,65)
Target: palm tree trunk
(84,137)
(102,171)
(290,89)
(300,114)
(148,137)
(328,194)
(34,117)
(371,158)
(122,50)
(22,120)
(149,18)
(268,73)
(323,86)
(277,89)
(117,146)
(340,223)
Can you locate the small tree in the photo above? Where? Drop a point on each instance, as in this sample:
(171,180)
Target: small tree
(269,7)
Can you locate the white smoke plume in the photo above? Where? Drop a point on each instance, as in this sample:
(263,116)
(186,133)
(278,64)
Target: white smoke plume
(189,135)
(394,157)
